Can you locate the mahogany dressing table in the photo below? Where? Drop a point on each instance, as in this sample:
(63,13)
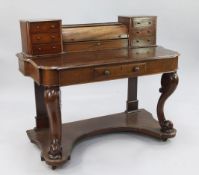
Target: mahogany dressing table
(56,55)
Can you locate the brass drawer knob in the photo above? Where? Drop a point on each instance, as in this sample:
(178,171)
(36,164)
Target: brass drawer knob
(136,69)
(107,72)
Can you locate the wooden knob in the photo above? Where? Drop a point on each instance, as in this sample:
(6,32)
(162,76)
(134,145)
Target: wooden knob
(98,44)
(38,38)
(136,69)
(37,27)
(52,26)
(39,48)
(107,72)
(54,47)
(53,37)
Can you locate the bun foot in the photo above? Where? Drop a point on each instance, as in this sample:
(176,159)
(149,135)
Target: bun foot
(42,158)
(164,139)
(54,167)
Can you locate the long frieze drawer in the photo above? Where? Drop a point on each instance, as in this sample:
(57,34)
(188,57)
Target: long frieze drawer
(79,75)
(111,72)
(143,42)
(39,27)
(95,45)
(45,38)
(140,22)
(46,48)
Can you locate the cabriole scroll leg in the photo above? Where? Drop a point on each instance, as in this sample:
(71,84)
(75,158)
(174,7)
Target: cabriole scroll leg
(169,82)
(52,100)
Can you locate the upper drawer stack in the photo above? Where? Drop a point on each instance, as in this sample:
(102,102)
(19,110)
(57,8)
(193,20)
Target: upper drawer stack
(41,37)
(142,30)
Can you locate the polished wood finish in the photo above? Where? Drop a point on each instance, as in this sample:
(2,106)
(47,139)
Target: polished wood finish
(169,83)
(41,112)
(95,45)
(52,101)
(43,26)
(41,37)
(45,38)
(139,121)
(91,37)
(132,101)
(81,67)
(55,56)
(117,71)
(142,30)
(97,32)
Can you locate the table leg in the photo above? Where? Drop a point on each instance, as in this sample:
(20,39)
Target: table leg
(56,150)
(52,101)
(41,113)
(132,102)
(169,82)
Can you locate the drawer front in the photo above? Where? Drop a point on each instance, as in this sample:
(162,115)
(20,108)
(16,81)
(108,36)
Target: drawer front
(96,45)
(45,38)
(38,27)
(46,48)
(143,52)
(144,32)
(143,42)
(90,74)
(119,71)
(143,22)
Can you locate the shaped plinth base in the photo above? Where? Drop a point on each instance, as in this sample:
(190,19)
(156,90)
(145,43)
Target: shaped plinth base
(139,121)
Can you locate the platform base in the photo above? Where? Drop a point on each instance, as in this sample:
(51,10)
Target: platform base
(139,121)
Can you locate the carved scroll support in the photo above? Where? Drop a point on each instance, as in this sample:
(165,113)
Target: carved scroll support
(52,101)
(169,82)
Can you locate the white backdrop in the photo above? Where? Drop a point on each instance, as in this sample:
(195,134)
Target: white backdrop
(178,27)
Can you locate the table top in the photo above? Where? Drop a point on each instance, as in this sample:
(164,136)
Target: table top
(90,66)
(95,58)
